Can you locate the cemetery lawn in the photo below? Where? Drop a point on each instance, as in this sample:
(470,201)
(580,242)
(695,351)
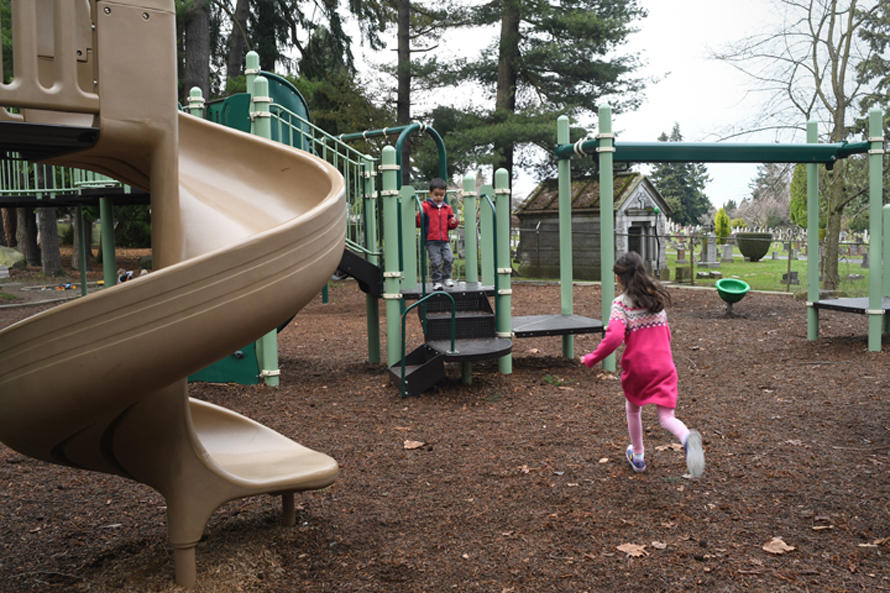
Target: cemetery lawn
(769,274)
(515,483)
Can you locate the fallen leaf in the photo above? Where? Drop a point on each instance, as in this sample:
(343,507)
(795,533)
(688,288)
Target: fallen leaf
(821,527)
(604,460)
(671,447)
(633,550)
(659,545)
(403,428)
(777,546)
(411,445)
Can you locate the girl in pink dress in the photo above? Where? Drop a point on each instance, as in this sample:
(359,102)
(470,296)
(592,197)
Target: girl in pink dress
(648,376)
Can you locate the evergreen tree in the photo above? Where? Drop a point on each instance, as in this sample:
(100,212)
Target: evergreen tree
(721,226)
(549,59)
(682,185)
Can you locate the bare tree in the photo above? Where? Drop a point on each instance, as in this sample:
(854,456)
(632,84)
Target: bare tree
(807,70)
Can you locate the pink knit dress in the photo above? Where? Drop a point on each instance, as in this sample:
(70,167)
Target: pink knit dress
(648,373)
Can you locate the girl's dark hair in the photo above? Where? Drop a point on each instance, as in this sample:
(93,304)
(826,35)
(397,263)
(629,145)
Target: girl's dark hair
(643,289)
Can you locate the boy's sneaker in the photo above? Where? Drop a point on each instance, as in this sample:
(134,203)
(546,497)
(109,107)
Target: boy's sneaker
(695,456)
(639,466)
(437,286)
(449,282)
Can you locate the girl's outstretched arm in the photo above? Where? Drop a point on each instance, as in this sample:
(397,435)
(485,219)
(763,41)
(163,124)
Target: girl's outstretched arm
(614,337)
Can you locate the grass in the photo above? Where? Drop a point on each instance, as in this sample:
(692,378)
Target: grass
(768,273)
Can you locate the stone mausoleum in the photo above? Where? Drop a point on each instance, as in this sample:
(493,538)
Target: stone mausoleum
(637,226)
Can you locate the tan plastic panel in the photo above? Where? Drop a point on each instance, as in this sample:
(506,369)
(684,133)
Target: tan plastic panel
(245,232)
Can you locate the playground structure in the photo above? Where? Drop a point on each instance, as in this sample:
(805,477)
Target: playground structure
(609,151)
(227,272)
(218,255)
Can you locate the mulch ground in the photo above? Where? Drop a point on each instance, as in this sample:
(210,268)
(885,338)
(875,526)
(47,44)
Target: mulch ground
(521,483)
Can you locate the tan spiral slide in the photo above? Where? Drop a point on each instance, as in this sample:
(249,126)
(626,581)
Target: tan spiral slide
(245,233)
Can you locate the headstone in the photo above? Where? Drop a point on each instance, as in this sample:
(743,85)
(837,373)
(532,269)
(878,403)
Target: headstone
(4,272)
(681,256)
(727,254)
(709,252)
(681,275)
(865,260)
(790,278)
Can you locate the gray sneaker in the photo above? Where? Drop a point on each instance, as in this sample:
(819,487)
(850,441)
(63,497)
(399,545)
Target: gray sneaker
(695,456)
(438,286)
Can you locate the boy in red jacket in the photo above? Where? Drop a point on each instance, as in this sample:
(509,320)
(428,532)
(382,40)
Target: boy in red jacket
(438,219)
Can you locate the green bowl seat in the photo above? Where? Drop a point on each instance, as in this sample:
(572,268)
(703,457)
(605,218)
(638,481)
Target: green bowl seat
(732,290)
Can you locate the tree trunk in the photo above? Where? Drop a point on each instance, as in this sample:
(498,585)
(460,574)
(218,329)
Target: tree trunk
(9,226)
(238,41)
(403,74)
(26,236)
(505,101)
(197,48)
(75,251)
(51,259)
(836,202)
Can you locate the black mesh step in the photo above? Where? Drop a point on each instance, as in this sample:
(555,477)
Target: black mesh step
(424,367)
(472,350)
(467,324)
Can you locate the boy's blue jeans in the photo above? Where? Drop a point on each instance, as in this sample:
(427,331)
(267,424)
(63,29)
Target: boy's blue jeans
(441,260)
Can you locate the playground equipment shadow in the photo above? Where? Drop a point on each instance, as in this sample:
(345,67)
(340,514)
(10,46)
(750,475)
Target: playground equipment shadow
(520,483)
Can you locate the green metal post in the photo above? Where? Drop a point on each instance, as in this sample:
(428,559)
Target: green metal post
(109,263)
(251,72)
(876,190)
(504,321)
(471,252)
(410,243)
(371,244)
(85,242)
(196,102)
(885,264)
(885,270)
(813,254)
(391,274)
(486,231)
(267,349)
(607,218)
(566,263)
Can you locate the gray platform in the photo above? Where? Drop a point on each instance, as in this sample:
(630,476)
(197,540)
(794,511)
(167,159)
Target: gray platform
(857,305)
(555,325)
(471,350)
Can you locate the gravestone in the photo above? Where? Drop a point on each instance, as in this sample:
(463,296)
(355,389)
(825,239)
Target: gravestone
(4,272)
(681,255)
(727,254)
(709,252)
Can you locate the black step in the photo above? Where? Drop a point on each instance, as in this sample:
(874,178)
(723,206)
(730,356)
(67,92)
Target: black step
(467,325)
(554,325)
(424,367)
(412,294)
(473,350)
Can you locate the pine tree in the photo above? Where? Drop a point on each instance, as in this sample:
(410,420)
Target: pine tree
(549,59)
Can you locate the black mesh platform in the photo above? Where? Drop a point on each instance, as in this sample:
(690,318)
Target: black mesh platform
(412,294)
(554,325)
(473,350)
(857,305)
(42,141)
